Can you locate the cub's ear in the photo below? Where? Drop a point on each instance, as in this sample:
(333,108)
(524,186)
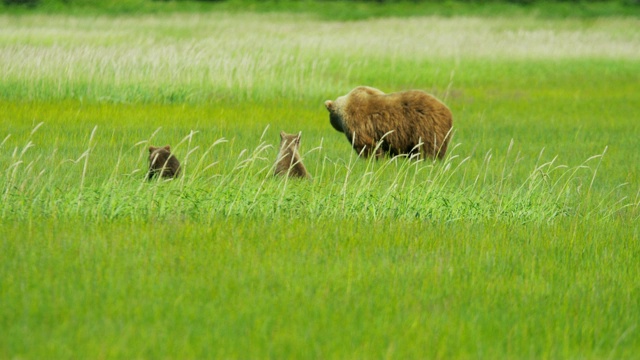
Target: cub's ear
(329,105)
(167,147)
(282,134)
(152,149)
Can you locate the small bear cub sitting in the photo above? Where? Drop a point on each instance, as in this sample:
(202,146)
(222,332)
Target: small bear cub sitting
(289,161)
(162,162)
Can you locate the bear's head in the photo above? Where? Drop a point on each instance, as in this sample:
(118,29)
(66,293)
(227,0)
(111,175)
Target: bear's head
(335,114)
(346,106)
(290,140)
(159,154)
(161,148)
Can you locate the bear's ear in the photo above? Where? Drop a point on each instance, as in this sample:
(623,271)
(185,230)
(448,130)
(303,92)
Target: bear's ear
(152,149)
(282,134)
(167,147)
(329,105)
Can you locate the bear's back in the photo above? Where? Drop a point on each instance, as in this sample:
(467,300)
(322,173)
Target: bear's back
(404,119)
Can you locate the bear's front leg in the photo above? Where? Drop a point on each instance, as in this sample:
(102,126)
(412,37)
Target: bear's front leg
(362,150)
(364,145)
(366,149)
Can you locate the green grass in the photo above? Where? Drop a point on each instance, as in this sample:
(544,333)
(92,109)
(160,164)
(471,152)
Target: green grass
(326,289)
(521,243)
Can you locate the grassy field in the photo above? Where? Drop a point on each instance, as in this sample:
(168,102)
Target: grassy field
(522,243)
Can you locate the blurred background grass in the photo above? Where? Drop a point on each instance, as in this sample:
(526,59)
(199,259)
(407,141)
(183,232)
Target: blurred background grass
(346,10)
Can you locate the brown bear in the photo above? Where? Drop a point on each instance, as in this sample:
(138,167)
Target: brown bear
(163,162)
(288,161)
(402,120)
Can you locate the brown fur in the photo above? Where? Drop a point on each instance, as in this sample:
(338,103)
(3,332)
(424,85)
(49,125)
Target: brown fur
(162,162)
(412,117)
(289,161)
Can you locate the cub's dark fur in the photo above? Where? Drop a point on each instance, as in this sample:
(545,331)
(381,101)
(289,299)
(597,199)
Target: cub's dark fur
(162,162)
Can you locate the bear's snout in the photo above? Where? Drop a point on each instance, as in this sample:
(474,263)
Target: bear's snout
(328,104)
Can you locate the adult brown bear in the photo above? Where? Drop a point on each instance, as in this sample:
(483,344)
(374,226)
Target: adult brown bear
(402,120)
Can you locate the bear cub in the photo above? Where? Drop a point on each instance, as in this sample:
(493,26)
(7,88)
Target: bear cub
(288,161)
(162,162)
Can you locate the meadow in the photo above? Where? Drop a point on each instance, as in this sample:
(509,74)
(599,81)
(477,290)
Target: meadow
(522,243)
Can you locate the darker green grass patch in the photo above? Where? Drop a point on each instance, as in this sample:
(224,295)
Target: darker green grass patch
(342,10)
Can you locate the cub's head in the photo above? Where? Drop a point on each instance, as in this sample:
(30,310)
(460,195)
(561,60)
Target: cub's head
(290,140)
(159,155)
